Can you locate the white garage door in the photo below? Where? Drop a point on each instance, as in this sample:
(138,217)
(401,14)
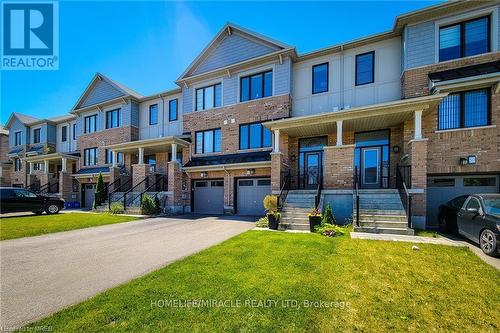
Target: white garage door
(89,195)
(209,196)
(250,194)
(444,188)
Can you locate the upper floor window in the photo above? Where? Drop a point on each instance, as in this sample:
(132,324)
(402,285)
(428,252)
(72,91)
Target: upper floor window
(18,138)
(465,109)
(64,133)
(90,124)
(37,166)
(74,131)
(320,78)
(36,135)
(113,118)
(256,86)
(209,141)
(90,156)
(18,165)
(109,157)
(464,39)
(153,114)
(208,97)
(172,110)
(254,136)
(365,68)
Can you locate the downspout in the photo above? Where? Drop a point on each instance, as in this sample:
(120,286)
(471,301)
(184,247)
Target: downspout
(229,188)
(341,77)
(162,115)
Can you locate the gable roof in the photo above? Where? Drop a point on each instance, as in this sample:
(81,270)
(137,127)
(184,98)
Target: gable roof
(25,119)
(98,77)
(227,30)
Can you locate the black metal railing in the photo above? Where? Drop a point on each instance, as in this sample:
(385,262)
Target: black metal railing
(317,198)
(355,187)
(120,188)
(285,187)
(104,193)
(35,187)
(161,184)
(401,185)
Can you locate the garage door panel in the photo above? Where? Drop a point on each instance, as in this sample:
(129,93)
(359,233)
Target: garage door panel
(209,197)
(250,194)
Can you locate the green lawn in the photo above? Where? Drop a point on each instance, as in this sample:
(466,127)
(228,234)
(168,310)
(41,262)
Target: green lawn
(17,227)
(386,286)
(426,233)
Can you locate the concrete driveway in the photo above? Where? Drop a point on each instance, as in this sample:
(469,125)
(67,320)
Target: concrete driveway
(43,274)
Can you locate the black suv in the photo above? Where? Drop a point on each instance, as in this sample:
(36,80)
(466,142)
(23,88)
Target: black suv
(14,199)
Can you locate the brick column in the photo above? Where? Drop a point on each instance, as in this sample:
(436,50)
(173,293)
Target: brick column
(276,167)
(114,174)
(44,178)
(339,167)
(65,186)
(32,179)
(418,157)
(174,199)
(139,172)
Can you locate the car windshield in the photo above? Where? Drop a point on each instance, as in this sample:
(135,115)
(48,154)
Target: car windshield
(492,206)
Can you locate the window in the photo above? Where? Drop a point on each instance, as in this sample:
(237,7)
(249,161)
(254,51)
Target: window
(476,181)
(245,182)
(464,109)
(36,135)
(113,118)
(153,114)
(17,138)
(208,141)
(150,159)
(464,39)
(24,193)
(254,136)
(64,133)
(256,86)
(473,203)
(109,157)
(217,183)
(74,131)
(90,124)
(172,110)
(441,182)
(320,78)
(264,182)
(365,68)
(201,184)
(90,156)
(208,97)
(18,165)
(37,166)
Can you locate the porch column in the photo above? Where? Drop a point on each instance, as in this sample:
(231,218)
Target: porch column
(339,132)
(31,168)
(141,155)
(64,166)
(174,152)
(46,167)
(115,162)
(174,202)
(418,124)
(276,148)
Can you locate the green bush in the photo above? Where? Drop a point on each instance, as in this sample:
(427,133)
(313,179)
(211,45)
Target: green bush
(147,205)
(328,217)
(263,222)
(331,230)
(99,191)
(157,205)
(116,208)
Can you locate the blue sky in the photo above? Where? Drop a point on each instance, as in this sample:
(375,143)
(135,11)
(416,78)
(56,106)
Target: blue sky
(147,45)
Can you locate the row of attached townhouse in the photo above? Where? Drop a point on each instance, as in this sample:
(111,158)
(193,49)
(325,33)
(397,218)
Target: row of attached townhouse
(412,112)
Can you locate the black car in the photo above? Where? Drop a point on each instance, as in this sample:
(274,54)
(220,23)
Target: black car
(479,221)
(448,212)
(15,199)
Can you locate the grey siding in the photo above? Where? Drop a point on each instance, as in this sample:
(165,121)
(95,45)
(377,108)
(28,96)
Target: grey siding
(134,114)
(233,49)
(51,133)
(420,44)
(283,77)
(187,100)
(101,92)
(230,90)
(16,127)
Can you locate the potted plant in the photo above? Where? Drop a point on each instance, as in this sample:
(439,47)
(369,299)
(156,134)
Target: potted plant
(314,219)
(271,207)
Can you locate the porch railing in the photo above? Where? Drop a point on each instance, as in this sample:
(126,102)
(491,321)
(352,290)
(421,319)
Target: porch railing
(403,175)
(161,184)
(317,198)
(285,187)
(122,186)
(355,188)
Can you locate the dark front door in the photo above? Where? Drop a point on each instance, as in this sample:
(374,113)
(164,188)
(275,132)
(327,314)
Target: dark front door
(370,167)
(312,169)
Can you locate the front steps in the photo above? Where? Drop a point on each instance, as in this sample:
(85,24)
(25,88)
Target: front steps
(381,212)
(294,215)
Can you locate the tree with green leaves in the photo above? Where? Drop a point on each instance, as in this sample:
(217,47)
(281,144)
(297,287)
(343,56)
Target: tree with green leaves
(328,216)
(99,191)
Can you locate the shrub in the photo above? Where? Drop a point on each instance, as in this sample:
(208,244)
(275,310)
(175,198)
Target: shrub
(330,230)
(99,191)
(271,204)
(263,222)
(147,205)
(116,208)
(157,205)
(328,217)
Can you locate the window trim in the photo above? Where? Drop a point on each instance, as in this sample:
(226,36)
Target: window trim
(203,98)
(462,36)
(203,141)
(150,108)
(16,143)
(87,163)
(64,133)
(356,68)
(39,129)
(249,76)
(74,131)
(248,140)
(119,116)
(16,161)
(462,111)
(327,78)
(85,129)
(177,108)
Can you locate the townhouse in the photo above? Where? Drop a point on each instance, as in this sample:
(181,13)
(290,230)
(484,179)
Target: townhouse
(384,128)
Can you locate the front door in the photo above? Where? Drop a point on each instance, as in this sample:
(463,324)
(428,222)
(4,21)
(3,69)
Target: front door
(370,167)
(312,169)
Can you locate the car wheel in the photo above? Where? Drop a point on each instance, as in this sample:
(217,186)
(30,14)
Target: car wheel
(488,242)
(52,208)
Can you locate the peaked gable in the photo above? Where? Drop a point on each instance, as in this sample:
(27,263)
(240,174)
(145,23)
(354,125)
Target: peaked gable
(101,91)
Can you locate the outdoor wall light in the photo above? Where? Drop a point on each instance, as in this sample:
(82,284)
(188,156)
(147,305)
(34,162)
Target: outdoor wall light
(463,161)
(250,172)
(395,149)
(204,174)
(471,159)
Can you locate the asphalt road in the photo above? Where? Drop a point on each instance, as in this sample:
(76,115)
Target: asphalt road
(43,274)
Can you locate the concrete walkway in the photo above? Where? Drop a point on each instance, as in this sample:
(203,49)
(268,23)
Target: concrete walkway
(43,274)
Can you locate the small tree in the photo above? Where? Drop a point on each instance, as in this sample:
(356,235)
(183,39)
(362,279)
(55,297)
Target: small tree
(99,191)
(328,216)
(157,205)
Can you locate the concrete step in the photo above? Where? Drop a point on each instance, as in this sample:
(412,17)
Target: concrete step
(381,207)
(377,217)
(287,219)
(382,230)
(366,211)
(294,226)
(379,191)
(384,224)
(380,200)
(292,192)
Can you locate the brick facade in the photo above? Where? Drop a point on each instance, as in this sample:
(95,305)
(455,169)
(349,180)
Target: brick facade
(339,167)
